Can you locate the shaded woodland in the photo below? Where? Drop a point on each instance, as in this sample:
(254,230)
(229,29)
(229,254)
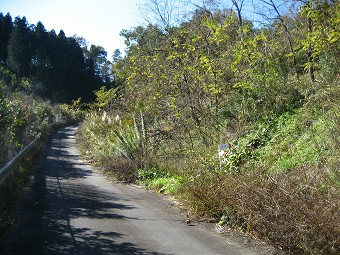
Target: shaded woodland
(59,68)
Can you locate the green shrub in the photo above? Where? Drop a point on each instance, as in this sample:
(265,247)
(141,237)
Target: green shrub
(157,179)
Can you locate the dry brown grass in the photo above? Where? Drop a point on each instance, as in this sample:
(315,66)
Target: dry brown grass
(298,211)
(120,169)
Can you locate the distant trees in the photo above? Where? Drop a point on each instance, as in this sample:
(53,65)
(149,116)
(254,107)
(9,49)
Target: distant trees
(60,68)
(18,48)
(6,26)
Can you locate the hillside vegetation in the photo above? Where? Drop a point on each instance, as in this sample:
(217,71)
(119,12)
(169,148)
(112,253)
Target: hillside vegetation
(272,93)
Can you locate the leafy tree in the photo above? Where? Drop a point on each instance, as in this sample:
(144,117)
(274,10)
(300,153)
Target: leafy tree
(182,72)
(117,68)
(323,31)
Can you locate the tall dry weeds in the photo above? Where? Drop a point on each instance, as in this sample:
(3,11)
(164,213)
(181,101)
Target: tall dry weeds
(297,211)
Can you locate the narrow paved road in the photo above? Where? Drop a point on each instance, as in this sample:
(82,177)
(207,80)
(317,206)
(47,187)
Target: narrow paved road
(71,209)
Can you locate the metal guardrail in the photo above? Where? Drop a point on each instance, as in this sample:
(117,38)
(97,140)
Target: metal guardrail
(7,170)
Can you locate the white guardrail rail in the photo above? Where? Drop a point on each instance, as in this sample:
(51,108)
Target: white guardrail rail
(7,170)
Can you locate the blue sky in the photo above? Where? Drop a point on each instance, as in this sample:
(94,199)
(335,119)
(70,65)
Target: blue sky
(98,21)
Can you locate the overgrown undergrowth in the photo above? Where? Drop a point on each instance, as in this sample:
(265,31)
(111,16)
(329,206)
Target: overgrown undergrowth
(280,181)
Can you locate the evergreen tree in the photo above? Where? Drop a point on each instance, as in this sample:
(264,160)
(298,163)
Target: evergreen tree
(19,48)
(75,69)
(40,51)
(6,26)
(59,66)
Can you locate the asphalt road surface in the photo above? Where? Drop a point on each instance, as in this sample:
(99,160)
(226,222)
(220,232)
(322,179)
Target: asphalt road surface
(71,209)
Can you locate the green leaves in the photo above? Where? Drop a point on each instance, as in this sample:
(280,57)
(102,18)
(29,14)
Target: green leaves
(105,97)
(323,31)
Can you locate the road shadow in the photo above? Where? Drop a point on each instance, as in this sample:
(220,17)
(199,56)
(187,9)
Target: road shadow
(61,214)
